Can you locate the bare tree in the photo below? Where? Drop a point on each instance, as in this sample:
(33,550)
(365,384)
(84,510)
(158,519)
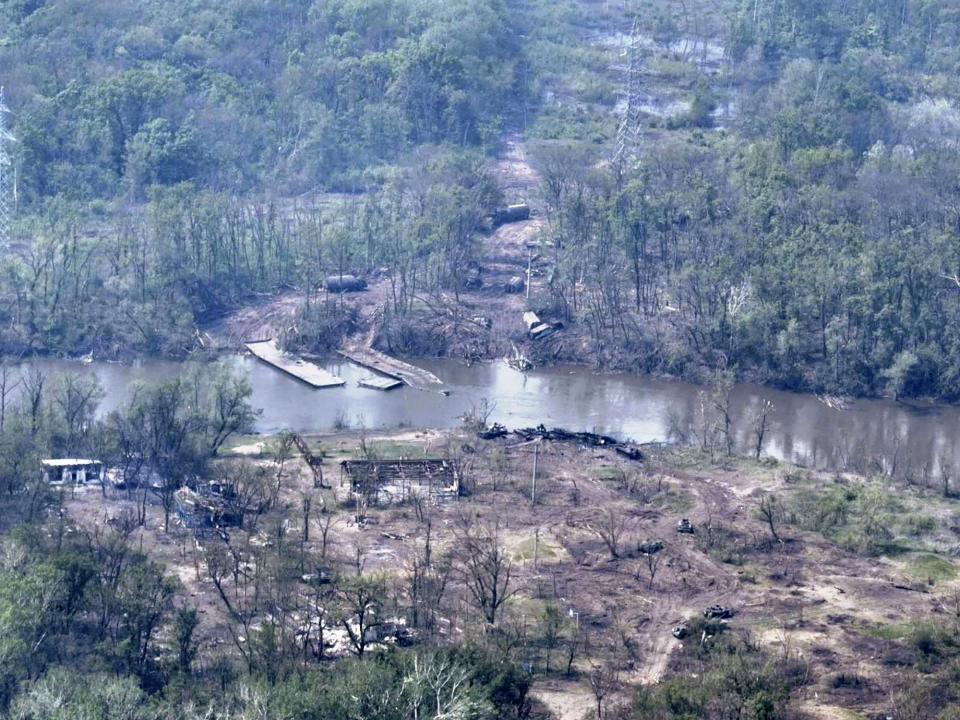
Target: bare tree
(7,386)
(603,681)
(246,492)
(427,581)
(761,425)
(283,451)
(486,568)
(720,397)
(32,384)
(440,685)
(611,528)
(771,511)
(77,398)
(945,463)
(652,564)
(326,524)
(571,645)
(361,598)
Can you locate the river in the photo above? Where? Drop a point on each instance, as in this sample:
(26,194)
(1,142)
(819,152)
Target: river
(866,435)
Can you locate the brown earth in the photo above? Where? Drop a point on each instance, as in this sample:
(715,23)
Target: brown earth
(803,597)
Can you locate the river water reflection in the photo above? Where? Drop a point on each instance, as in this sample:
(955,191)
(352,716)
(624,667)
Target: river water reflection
(867,435)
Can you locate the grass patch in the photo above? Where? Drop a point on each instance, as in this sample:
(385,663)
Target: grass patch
(894,631)
(932,566)
(392,450)
(679,501)
(673,70)
(850,714)
(610,473)
(523,550)
(766,623)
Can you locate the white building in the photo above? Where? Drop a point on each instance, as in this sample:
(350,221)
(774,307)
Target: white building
(71,470)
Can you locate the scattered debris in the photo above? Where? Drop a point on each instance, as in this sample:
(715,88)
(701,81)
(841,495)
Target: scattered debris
(388,481)
(518,361)
(631,452)
(376,382)
(560,435)
(588,439)
(203,511)
(483,321)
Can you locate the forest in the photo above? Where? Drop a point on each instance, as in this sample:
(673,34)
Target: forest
(793,218)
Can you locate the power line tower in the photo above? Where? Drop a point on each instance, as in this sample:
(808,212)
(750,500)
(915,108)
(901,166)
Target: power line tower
(6,177)
(629,128)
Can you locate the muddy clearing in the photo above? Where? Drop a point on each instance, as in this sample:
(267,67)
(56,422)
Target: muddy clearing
(803,597)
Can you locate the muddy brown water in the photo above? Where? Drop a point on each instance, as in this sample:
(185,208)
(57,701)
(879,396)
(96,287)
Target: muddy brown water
(867,435)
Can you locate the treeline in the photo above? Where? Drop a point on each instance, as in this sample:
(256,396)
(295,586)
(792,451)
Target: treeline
(143,283)
(813,244)
(288,95)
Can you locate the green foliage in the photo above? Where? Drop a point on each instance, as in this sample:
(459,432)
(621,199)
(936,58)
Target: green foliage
(157,94)
(63,695)
(932,568)
(735,679)
(860,517)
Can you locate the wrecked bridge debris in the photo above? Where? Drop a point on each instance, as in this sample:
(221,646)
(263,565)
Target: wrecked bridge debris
(588,439)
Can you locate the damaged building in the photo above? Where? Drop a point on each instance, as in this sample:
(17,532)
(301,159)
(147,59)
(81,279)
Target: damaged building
(76,471)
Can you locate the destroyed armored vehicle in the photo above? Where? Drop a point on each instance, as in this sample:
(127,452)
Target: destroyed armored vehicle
(685,526)
(649,547)
(680,632)
(717,612)
(493,432)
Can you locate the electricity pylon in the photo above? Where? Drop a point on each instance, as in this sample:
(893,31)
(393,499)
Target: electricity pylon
(629,128)
(6,177)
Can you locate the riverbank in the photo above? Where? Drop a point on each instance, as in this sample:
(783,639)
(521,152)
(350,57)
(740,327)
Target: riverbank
(870,436)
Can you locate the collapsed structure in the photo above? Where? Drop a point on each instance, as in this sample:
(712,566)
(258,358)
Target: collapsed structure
(383,482)
(537,329)
(78,471)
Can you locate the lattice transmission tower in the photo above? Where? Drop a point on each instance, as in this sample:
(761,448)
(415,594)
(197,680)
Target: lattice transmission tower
(6,177)
(629,129)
